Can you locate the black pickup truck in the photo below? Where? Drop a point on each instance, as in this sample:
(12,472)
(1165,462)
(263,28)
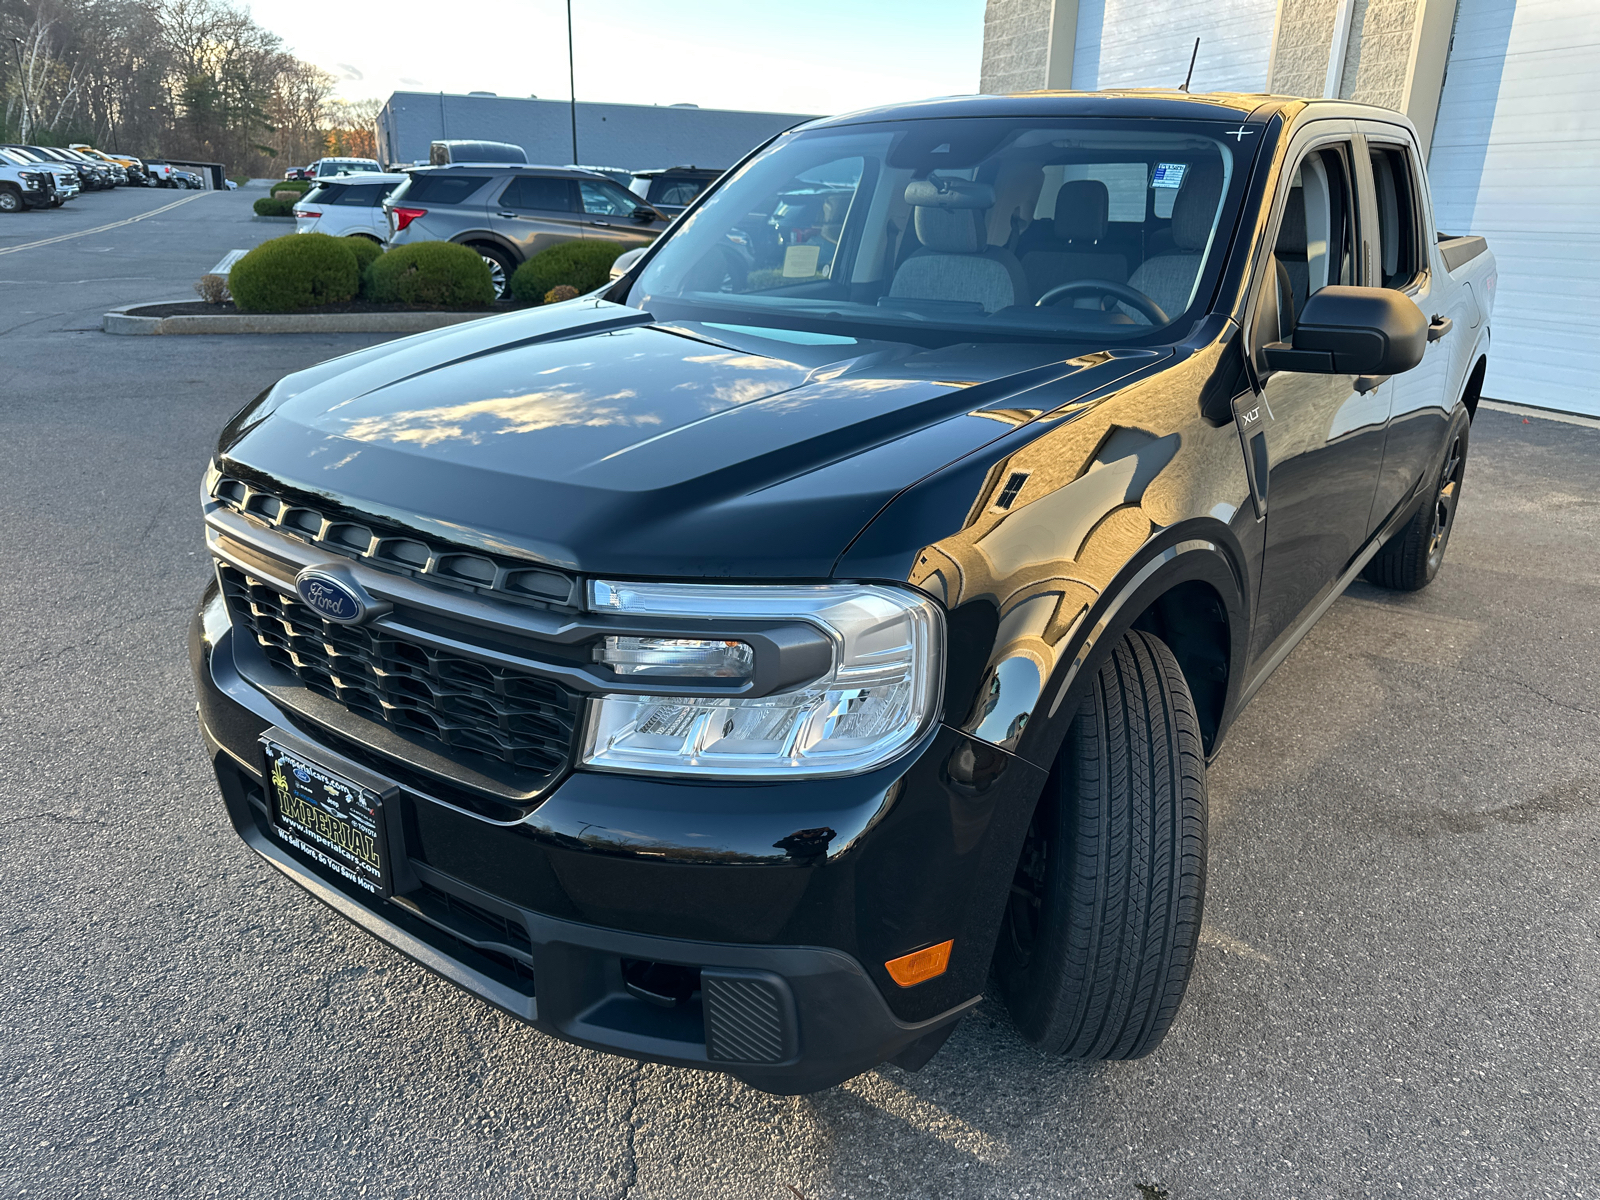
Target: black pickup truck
(746,666)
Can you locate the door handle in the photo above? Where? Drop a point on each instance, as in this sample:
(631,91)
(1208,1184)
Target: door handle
(512,216)
(1438,327)
(601,224)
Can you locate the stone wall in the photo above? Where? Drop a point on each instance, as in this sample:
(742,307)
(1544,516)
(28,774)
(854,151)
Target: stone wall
(1379,50)
(1305,36)
(1016,45)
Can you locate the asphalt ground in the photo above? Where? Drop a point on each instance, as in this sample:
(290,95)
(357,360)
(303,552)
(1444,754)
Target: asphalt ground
(1396,996)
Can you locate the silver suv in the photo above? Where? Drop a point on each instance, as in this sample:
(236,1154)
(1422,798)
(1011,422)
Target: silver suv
(510,213)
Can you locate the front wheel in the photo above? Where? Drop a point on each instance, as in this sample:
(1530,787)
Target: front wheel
(10,201)
(1410,559)
(1104,919)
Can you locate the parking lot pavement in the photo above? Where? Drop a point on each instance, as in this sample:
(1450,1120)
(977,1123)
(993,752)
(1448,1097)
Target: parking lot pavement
(1397,993)
(64,267)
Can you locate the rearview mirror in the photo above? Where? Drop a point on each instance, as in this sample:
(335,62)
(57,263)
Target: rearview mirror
(1353,331)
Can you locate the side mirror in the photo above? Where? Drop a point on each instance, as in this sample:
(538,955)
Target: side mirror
(624,262)
(643,212)
(1353,331)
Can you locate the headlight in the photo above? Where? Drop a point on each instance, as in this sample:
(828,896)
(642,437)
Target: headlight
(881,693)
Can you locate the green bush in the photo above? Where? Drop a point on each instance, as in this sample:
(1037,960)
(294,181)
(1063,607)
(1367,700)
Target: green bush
(299,271)
(366,250)
(438,274)
(582,265)
(269,207)
(561,292)
(293,185)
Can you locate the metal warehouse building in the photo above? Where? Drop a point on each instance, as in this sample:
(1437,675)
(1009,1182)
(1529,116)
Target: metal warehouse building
(631,136)
(1502,92)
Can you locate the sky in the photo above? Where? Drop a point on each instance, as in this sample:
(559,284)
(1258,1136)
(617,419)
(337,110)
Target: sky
(814,57)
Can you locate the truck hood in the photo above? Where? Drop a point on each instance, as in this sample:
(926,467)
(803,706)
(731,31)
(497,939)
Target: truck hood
(594,438)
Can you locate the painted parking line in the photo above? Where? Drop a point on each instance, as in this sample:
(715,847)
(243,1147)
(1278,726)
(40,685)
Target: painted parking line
(66,237)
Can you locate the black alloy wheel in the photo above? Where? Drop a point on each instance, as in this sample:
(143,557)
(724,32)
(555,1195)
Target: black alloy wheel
(1412,557)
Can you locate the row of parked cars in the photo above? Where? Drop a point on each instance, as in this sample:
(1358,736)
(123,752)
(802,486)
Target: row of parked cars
(487,196)
(49,176)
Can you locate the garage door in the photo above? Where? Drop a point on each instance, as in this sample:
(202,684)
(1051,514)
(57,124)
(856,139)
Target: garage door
(1516,158)
(1134,43)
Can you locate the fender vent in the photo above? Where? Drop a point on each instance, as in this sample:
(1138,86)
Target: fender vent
(749,1017)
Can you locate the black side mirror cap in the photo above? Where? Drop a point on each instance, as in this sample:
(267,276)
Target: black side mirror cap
(644,212)
(1354,331)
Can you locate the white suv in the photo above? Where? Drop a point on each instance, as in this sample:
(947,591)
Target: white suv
(347,206)
(323,168)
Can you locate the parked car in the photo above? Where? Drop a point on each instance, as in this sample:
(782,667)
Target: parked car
(91,176)
(297,173)
(188,179)
(443,153)
(509,214)
(67,184)
(325,168)
(743,668)
(672,189)
(132,167)
(24,185)
(159,173)
(351,206)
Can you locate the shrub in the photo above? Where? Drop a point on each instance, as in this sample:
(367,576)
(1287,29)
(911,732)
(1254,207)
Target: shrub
(366,250)
(580,265)
(441,274)
(565,292)
(299,271)
(269,206)
(298,186)
(213,289)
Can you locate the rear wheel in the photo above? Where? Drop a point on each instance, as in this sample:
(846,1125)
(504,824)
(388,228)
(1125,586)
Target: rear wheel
(500,267)
(1411,558)
(1104,917)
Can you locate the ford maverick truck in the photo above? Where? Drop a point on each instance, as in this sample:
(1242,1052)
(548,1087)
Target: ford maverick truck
(748,665)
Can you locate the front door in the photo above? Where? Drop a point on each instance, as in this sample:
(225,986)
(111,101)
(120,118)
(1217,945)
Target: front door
(608,209)
(1317,439)
(535,212)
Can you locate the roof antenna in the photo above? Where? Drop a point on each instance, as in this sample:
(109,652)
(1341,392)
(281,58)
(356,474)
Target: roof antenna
(1190,75)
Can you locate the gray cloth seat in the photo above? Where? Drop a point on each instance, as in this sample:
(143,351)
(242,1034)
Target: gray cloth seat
(1169,279)
(955,262)
(1071,245)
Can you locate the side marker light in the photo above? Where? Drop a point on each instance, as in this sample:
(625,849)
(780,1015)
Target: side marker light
(920,965)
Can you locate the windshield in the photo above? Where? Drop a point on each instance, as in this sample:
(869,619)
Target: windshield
(953,228)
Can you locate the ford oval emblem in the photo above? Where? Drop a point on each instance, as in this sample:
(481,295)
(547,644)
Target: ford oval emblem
(330,597)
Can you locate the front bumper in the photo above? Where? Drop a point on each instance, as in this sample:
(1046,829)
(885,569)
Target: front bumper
(541,917)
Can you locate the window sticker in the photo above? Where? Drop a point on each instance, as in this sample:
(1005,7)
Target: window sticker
(1168,175)
(800,262)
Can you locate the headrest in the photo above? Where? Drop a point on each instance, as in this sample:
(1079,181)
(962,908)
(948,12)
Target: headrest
(1292,229)
(1082,206)
(950,230)
(1195,207)
(936,191)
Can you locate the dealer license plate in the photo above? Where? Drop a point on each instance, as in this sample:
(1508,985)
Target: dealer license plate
(333,820)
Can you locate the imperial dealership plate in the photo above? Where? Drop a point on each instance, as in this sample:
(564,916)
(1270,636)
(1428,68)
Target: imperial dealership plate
(336,822)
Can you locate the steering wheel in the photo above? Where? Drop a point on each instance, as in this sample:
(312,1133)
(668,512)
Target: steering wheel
(1132,297)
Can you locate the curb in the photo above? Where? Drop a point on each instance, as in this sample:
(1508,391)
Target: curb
(118,321)
(278,220)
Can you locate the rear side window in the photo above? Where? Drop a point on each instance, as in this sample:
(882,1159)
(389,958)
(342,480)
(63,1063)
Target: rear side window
(325,193)
(364,195)
(443,189)
(1125,184)
(1394,191)
(676,192)
(545,193)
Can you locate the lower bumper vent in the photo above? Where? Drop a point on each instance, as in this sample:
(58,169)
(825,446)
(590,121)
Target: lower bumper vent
(749,1017)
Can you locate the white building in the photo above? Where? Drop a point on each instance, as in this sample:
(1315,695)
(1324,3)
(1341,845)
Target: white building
(1500,90)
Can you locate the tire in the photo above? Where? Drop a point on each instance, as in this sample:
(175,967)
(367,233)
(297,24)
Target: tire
(500,267)
(1411,558)
(10,200)
(1103,922)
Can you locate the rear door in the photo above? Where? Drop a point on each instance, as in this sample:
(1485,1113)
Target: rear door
(1405,257)
(608,209)
(1315,441)
(535,212)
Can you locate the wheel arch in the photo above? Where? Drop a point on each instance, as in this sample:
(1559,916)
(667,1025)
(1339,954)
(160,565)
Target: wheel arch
(1474,388)
(477,237)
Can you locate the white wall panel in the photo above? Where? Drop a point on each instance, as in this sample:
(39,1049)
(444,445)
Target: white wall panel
(1516,158)
(1136,43)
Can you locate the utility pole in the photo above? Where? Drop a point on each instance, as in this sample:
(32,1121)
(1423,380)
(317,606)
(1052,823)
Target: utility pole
(572,86)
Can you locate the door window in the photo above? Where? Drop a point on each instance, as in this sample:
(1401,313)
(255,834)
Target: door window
(602,198)
(1316,243)
(1395,194)
(546,193)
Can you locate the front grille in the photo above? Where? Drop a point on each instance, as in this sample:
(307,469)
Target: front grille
(392,549)
(444,700)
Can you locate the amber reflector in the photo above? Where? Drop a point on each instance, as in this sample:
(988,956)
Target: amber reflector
(920,965)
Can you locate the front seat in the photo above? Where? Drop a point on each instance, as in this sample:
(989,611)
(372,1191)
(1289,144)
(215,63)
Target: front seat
(1071,245)
(955,261)
(1168,279)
